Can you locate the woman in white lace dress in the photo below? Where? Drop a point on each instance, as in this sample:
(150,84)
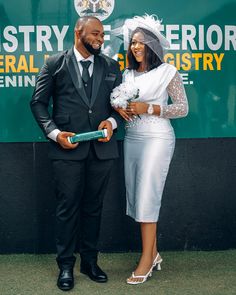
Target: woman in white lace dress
(150,140)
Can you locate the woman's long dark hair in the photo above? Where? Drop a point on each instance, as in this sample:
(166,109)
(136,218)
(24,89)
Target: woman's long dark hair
(151,59)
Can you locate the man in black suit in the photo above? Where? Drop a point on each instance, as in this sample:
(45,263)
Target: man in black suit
(79,81)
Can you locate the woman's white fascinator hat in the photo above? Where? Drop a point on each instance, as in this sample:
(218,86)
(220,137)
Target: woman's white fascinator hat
(150,27)
(149,22)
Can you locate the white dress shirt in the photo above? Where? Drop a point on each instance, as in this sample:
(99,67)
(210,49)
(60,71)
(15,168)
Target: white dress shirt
(53,134)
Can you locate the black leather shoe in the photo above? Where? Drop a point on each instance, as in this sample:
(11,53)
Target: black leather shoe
(94,272)
(65,280)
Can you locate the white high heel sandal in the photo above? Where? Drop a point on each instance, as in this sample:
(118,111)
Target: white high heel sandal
(135,280)
(157,262)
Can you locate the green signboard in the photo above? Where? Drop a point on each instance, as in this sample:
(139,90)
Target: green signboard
(202,35)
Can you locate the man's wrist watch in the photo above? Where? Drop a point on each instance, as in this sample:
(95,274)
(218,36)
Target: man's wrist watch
(150,109)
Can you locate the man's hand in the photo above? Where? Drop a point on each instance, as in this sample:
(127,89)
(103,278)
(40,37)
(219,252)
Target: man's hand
(63,141)
(106,125)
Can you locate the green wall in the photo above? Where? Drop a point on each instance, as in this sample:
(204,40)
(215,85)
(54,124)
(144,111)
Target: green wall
(203,44)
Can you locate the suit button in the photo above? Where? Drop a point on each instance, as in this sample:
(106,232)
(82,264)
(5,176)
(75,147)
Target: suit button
(90,111)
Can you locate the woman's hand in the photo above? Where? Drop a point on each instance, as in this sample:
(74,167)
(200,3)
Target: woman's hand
(136,108)
(123,113)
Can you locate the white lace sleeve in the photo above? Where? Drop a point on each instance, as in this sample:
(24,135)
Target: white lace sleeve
(125,75)
(179,106)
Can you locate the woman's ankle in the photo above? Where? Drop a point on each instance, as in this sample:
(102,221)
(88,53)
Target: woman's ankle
(155,254)
(144,266)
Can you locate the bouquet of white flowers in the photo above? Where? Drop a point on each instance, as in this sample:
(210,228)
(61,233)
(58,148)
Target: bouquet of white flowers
(123,94)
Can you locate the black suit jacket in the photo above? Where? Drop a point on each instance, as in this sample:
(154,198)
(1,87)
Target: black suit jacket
(60,79)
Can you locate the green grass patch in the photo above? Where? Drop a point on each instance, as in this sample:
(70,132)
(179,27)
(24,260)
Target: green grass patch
(183,273)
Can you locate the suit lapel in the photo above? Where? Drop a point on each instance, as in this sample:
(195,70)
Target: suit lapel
(75,75)
(97,77)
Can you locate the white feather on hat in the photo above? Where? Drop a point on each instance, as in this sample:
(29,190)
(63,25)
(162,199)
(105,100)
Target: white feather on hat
(150,23)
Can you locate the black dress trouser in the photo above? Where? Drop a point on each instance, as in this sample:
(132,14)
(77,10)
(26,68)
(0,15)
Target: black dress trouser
(80,189)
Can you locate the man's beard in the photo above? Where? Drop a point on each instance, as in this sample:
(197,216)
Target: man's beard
(90,47)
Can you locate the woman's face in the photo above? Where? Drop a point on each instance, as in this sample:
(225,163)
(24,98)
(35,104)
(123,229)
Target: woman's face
(138,47)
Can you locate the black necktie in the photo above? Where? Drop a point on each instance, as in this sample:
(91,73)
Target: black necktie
(85,73)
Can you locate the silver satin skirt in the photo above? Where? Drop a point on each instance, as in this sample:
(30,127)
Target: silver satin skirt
(147,159)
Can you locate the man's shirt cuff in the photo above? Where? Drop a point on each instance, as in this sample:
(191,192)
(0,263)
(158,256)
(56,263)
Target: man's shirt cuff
(53,134)
(113,122)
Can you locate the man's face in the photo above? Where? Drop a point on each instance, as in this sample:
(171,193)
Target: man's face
(92,37)
(89,47)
